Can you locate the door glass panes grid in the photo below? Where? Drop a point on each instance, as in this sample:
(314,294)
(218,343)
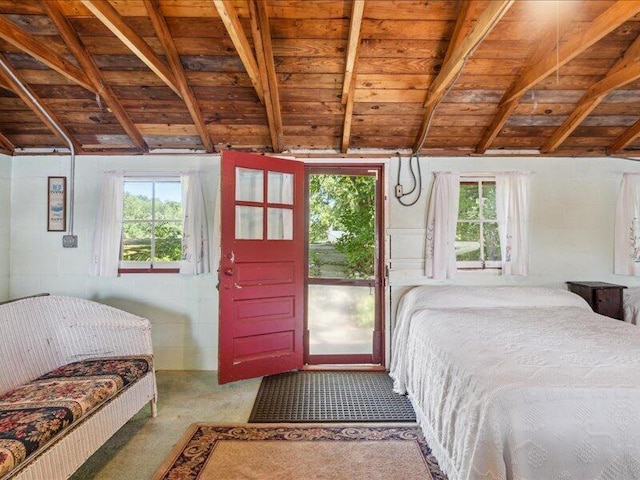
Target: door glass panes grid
(251,205)
(477,240)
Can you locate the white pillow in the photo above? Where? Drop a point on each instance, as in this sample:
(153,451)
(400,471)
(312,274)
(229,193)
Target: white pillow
(456,296)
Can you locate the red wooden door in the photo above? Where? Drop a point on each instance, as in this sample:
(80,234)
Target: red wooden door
(261,266)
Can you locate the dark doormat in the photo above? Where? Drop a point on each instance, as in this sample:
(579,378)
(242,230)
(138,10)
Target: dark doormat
(330,397)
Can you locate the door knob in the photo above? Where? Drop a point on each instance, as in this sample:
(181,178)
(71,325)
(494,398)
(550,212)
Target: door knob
(228,271)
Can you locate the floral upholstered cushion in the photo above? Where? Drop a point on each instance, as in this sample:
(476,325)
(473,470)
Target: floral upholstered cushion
(33,414)
(125,370)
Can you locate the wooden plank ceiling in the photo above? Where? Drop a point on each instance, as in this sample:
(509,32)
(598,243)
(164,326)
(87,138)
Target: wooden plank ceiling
(441,77)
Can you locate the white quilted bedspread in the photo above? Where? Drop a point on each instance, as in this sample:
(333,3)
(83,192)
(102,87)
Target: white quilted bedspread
(520,393)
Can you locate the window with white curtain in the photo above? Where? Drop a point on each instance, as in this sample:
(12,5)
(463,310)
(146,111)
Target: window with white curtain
(152,224)
(477,241)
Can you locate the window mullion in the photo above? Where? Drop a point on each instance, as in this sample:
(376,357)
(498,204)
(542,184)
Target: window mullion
(153,222)
(481,221)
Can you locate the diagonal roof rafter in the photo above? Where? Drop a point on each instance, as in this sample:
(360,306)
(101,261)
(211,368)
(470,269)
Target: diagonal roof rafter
(70,37)
(5,144)
(348,87)
(168,44)
(28,98)
(546,60)
(110,17)
(624,139)
(26,42)
(232,24)
(267,71)
(623,72)
(464,42)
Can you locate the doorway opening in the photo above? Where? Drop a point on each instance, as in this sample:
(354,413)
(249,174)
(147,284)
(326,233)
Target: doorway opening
(344,265)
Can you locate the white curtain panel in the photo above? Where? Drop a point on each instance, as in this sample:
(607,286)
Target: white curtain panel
(627,227)
(108,233)
(195,236)
(442,219)
(512,210)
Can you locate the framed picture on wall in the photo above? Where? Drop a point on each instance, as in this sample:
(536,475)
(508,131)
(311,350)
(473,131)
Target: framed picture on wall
(57,204)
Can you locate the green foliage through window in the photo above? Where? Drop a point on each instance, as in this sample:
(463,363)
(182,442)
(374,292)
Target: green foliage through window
(152,222)
(342,218)
(477,237)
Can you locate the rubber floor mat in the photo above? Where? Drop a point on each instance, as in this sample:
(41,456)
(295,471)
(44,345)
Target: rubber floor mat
(330,397)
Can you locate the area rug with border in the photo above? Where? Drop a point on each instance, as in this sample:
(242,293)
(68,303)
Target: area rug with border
(300,452)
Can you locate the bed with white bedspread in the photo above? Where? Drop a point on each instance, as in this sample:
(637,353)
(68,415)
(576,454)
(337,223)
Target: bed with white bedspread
(520,383)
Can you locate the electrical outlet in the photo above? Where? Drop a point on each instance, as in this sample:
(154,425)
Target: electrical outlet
(398,191)
(70,241)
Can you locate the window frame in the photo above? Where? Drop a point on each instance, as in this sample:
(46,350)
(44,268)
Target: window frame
(125,266)
(479,265)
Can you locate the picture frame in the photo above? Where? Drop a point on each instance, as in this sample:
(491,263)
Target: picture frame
(56,204)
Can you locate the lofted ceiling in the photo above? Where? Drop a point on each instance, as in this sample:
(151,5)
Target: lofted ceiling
(441,77)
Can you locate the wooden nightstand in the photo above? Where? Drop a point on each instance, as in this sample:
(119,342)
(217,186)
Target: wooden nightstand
(604,298)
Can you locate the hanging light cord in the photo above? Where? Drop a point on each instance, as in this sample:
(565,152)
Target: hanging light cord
(416,179)
(418,183)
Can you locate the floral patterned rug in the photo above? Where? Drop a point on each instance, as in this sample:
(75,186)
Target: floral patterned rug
(288,452)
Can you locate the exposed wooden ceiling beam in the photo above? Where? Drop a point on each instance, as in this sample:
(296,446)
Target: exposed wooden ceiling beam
(348,120)
(594,95)
(457,58)
(173,57)
(38,50)
(86,61)
(611,19)
(232,23)
(5,86)
(625,139)
(110,17)
(462,44)
(5,145)
(27,99)
(264,53)
(464,22)
(546,60)
(357,13)
(348,86)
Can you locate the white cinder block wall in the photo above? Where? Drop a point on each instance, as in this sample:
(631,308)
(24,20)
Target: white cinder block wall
(573,206)
(5,213)
(183,309)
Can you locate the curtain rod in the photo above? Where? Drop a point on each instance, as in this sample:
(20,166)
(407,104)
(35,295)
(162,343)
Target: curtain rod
(155,173)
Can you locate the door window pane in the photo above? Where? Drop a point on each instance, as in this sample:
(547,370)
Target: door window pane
(280,188)
(249,185)
(342,226)
(248,223)
(341,319)
(279,224)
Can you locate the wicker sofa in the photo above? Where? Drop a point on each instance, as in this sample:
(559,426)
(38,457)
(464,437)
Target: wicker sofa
(72,372)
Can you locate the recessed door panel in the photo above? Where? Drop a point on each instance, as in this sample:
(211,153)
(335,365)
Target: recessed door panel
(265,273)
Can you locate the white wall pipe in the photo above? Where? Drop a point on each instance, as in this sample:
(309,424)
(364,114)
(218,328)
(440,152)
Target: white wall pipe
(72,170)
